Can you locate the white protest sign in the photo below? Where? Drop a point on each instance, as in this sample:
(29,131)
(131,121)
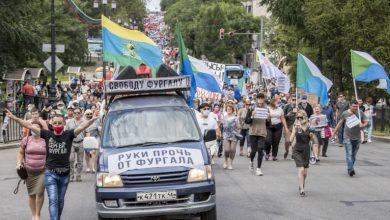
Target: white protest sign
(217,68)
(152,158)
(318,121)
(144,85)
(261,113)
(352,121)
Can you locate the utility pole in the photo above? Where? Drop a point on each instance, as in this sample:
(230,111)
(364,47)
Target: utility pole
(52,94)
(261,33)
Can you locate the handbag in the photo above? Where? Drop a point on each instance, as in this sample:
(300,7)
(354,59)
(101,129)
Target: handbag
(22,172)
(326,132)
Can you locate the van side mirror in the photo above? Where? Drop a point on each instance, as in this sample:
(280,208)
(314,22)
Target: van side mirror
(90,143)
(210,135)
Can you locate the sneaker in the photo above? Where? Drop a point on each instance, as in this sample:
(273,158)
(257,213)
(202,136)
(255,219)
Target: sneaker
(324,155)
(274,158)
(267,157)
(78,178)
(258,172)
(212,162)
(369,141)
(251,165)
(88,170)
(364,142)
(71,179)
(341,145)
(351,173)
(302,194)
(332,141)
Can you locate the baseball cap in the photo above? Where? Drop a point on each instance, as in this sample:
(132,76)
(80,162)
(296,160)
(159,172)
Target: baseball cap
(304,97)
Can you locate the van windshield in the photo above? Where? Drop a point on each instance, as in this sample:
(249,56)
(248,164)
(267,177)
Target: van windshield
(149,126)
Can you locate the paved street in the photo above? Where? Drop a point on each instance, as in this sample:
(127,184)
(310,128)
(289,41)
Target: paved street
(331,194)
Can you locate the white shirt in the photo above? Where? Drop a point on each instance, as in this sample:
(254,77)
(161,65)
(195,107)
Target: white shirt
(276,114)
(206,123)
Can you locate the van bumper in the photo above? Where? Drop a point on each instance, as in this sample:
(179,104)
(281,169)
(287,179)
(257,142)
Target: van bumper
(192,199)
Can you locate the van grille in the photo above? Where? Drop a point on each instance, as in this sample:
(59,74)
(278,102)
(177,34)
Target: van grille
(154,178)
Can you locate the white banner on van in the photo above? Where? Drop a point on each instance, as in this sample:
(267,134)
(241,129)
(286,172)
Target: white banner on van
(152,158)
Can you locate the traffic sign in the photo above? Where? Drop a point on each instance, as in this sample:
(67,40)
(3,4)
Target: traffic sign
(60,48)
(59,64)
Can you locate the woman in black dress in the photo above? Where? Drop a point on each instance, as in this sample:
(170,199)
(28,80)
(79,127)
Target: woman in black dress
(300,137)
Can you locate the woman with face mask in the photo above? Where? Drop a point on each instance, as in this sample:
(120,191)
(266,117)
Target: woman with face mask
(300,137)
(32,156)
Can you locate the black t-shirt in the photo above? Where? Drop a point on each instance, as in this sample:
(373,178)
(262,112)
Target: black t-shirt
(44,115)
(57,148)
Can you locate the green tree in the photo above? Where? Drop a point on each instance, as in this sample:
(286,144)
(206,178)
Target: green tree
(326,30)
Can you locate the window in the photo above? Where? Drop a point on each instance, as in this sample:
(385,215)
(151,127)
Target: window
(148,126)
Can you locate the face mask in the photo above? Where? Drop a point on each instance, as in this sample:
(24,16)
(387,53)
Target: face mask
(34,134)
(206,113)
(58,129)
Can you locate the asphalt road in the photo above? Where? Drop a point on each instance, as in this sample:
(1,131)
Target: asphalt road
(331,194)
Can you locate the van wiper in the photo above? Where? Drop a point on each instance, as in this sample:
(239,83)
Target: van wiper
(185,140)
(152,143)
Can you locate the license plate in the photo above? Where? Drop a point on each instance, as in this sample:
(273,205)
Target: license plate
(156,196)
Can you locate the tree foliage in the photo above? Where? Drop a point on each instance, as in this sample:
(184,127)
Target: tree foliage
(326,31)
(201,20)
(25,26)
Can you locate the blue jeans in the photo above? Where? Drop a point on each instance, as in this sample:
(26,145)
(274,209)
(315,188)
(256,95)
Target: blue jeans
(351,149)
(56,186)
(340,135)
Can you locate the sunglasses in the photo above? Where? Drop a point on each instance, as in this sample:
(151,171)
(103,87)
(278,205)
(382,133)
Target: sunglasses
(248,104)
(88,114)
(300,118)
(206,108)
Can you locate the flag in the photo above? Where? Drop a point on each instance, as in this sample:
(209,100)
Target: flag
(185,65)
(204,78)
(270,71)
(128,47)
(365,68)
(267,68)
(311,80)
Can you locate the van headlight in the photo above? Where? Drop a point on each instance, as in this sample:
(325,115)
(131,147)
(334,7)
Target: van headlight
(200,174)
(108,180)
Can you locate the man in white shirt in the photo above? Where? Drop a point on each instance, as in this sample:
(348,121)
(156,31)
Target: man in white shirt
(206,122)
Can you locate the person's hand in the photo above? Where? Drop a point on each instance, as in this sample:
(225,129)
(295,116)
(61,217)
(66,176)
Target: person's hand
(361,125)
(10,115)
(18,166)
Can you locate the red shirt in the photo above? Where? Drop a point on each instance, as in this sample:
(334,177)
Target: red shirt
(28,89)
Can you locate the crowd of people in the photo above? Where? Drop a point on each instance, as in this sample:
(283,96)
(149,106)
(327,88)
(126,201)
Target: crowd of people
(53,154)
(261,121)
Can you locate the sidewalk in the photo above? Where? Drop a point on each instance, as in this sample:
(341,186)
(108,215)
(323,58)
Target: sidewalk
(9,145)
(385,139)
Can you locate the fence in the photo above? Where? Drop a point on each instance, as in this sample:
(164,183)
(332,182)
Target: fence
(382,119)
(13,131)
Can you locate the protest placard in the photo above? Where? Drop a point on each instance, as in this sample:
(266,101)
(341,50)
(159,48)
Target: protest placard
(152,158)
(318,121)
(261,113)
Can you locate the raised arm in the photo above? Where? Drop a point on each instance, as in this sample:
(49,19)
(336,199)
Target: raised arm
(84,126)
(23,123)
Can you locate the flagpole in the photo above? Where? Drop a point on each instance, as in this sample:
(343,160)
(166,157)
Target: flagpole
(356,96)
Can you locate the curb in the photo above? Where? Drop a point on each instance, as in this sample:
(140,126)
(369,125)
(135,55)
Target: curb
(9,146)
(381,139)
